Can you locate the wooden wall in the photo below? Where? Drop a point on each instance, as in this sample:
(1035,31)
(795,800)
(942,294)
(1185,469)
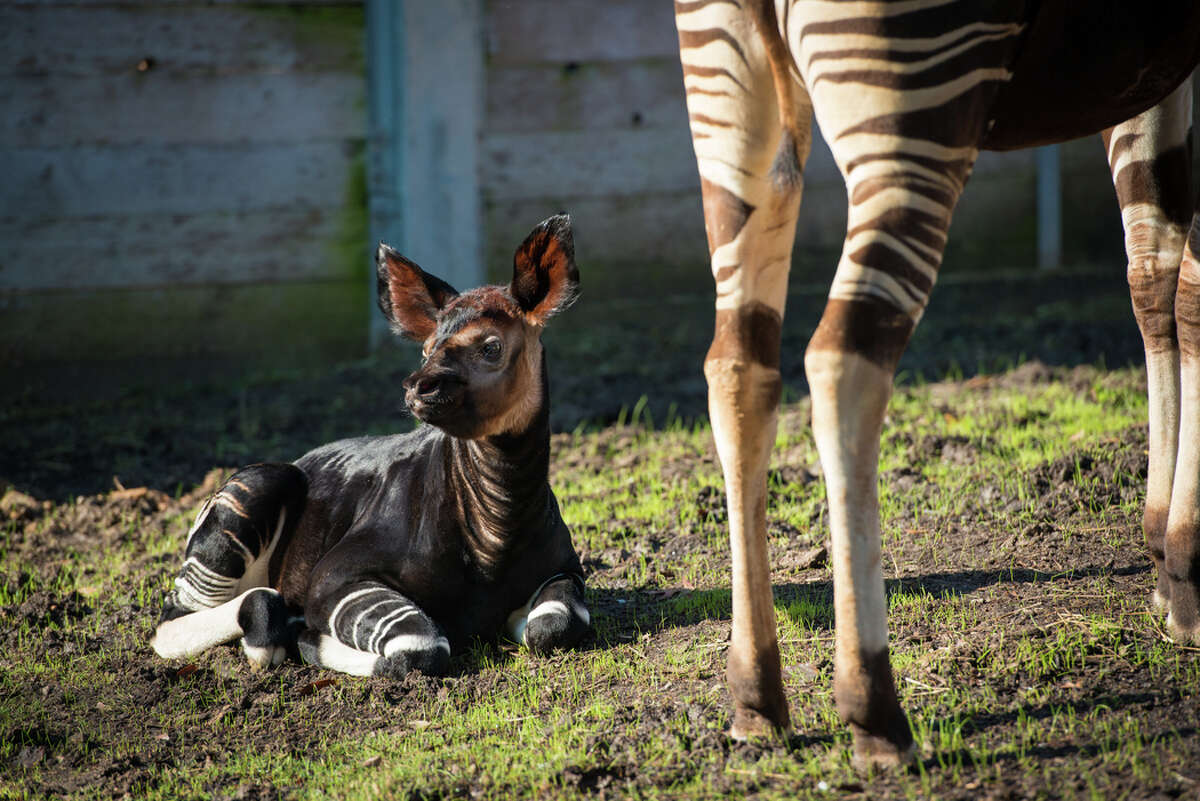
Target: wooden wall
(181,179)
(184,179)
(585,112)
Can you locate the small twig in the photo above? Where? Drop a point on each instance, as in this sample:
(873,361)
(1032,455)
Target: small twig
(756,773)
(931,690)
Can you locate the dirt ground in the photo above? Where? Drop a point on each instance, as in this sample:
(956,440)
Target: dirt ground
(61,462)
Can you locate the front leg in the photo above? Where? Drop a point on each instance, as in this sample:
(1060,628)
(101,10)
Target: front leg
(368,629)
(555,616)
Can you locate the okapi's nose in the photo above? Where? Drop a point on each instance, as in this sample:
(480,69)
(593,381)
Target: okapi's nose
(428,385)
(425,385)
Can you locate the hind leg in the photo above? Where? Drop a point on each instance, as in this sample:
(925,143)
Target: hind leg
(751,130)
(221,593)
(1149,158)
(1181,540)
(369,629)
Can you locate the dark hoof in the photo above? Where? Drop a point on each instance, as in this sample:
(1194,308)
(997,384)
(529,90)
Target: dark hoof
(554,631)
(872,752)
(431,662)
(1183,633)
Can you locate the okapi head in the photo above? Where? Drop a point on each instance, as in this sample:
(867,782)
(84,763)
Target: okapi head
(482,372)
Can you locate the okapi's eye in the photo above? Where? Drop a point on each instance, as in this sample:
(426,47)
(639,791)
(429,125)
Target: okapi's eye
(491,349)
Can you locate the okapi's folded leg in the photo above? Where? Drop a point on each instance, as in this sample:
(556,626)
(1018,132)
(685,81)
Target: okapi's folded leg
(1149,159)
(221,593)
(369,629)
(555,617)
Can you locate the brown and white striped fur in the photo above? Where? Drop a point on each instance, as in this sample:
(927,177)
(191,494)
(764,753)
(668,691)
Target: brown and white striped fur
(907,93)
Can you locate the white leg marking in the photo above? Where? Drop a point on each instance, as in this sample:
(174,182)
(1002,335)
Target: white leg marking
(337,610)
(385,625)
(850,396)
(415,642)
(358,620)
(335,655)
(200,518)
(198,587)
(196,632)
(550,608)
(257,569)
(514,627)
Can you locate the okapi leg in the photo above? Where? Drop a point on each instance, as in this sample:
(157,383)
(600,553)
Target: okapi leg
(369,629)
(1150,163)
(751,129)
(900,210)
(555,617)
(222,591)
(1181,560)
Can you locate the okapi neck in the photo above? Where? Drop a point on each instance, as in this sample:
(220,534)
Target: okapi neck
(502,486)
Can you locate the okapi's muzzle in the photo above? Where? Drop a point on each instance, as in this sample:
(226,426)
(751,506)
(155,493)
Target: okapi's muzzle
(434,395)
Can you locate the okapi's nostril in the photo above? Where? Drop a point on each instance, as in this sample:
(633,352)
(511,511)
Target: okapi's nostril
(428,385)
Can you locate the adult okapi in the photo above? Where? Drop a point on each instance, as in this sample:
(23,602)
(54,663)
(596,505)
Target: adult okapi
(907,93)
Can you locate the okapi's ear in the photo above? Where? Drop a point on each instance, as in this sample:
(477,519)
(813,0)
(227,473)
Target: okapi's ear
(409,297)
(545,279)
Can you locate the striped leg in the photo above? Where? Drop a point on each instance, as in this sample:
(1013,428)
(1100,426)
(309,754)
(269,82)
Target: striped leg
(554,617)
(369,629)
(222,592)
(1150,160)
(899,213)
(1182,540)
(751,126)
(902,98)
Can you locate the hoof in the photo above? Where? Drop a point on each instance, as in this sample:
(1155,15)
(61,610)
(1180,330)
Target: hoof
(1182,634)
(750,723)
(878,753)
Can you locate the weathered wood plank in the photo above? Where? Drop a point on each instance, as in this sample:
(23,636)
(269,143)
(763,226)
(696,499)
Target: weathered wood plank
(587,163)
(89,181)
(226,3)
(653,235)
(531,31)
(621,94)
(174,109)
(182,249)
(248,323)
(606,162)
(110,38)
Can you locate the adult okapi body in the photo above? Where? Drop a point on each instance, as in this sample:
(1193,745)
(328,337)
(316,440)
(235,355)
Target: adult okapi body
(907,93)
(378,555)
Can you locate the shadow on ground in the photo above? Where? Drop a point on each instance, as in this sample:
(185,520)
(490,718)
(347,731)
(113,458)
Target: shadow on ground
(77,435)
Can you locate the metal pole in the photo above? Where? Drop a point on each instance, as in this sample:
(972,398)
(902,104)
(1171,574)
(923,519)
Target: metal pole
(1049,208)
(385,140)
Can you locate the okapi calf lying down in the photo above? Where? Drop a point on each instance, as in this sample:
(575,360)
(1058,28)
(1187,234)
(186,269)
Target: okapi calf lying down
(376,555)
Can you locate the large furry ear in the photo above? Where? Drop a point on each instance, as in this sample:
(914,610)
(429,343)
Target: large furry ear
(545,279)
(409,297)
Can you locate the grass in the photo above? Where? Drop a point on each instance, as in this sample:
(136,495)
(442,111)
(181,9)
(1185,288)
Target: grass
(1020,641)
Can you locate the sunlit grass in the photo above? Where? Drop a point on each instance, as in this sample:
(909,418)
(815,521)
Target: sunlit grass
(1002,666)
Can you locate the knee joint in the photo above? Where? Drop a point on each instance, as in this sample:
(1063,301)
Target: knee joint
(1152,287)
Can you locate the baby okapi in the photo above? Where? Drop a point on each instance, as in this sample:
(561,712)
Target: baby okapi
(376,555)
